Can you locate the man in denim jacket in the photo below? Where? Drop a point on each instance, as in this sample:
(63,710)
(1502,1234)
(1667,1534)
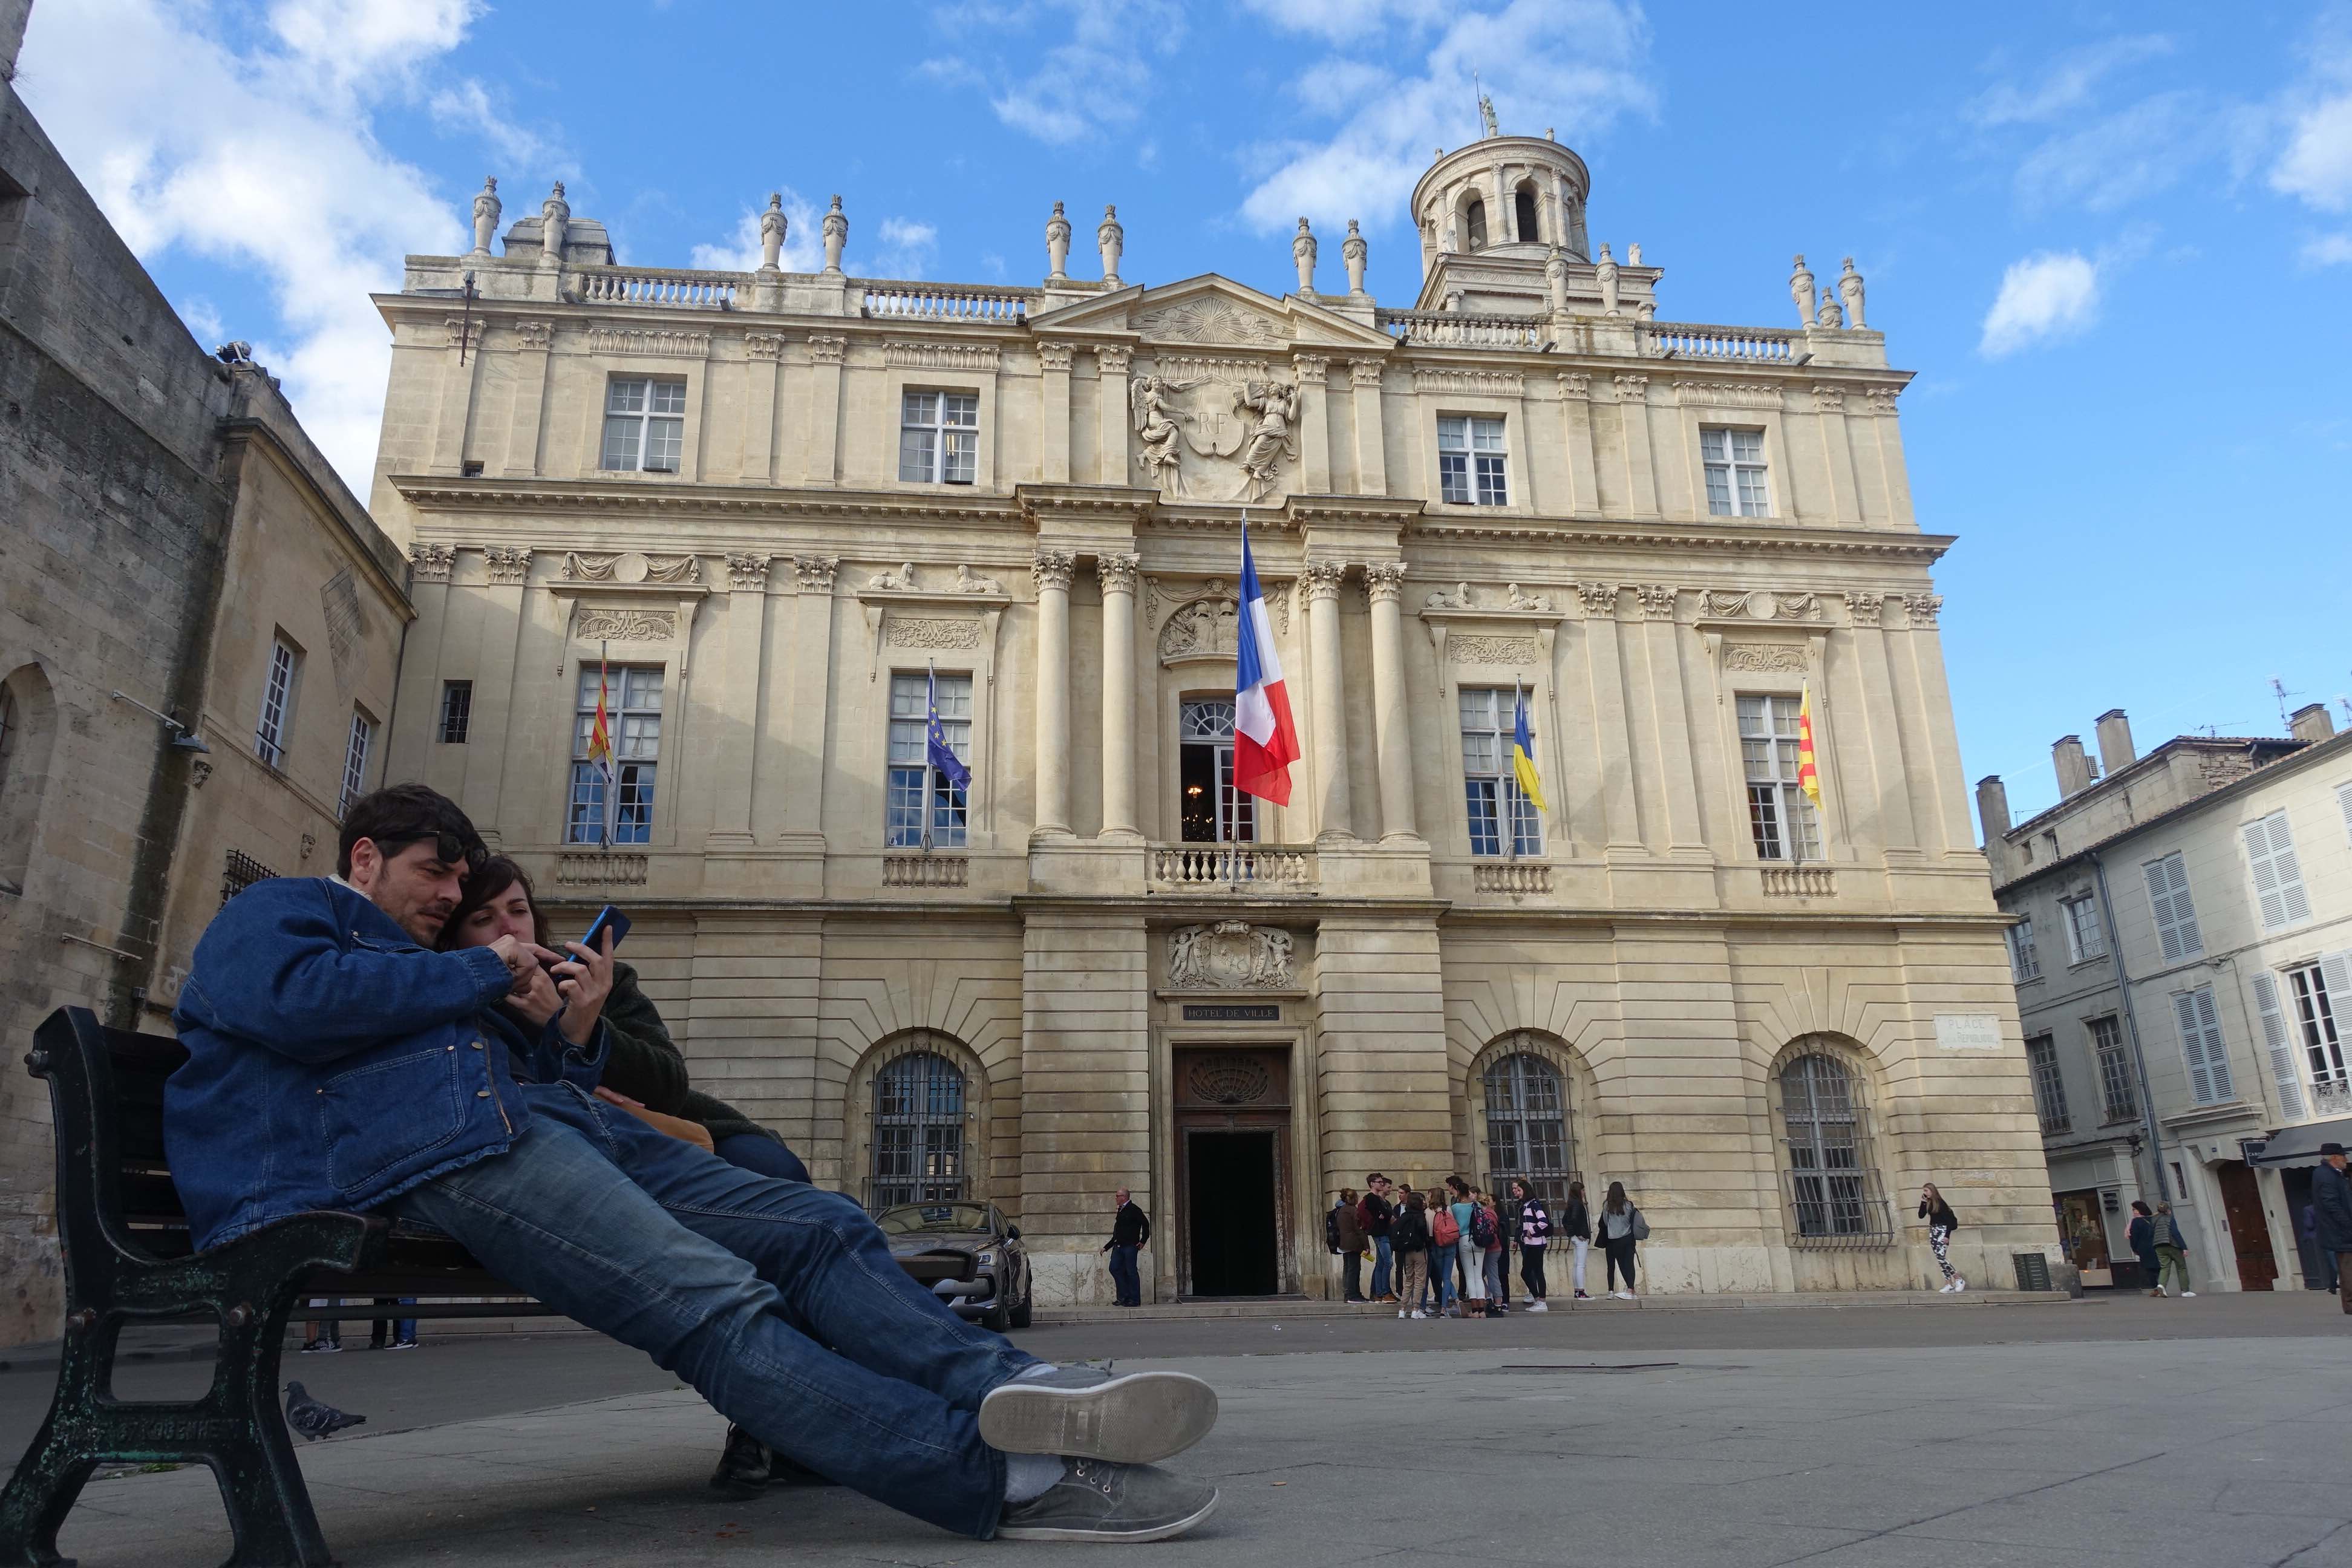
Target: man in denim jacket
(336,1061)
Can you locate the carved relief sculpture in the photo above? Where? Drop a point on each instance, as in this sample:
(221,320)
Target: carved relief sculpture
(433,561)
(1763,605)
(626,625)
(968,582)
(908,633)
(900,581)
(673,568)
(506,564)
(747,572)
(1764,657)
(1495,650)
(1156,430)
(1230,956)
(580,566)
(1275,404)
(1204,628)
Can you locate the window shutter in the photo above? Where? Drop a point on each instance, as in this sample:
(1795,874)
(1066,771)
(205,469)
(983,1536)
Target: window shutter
(2278,1046)
(2336,968)
(2175,915)
(2344,804)
(2217,1049)
(2278,875)
(2192,1045)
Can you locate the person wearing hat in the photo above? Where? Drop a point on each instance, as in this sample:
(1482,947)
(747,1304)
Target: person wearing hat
(2331,1214)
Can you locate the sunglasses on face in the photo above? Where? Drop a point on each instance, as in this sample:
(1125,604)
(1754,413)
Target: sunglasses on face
(448,848)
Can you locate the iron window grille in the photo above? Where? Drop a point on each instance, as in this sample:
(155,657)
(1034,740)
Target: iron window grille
(1527,1129)
(242,872)
(1835,1195)
(456,711)
(2118,1099)
(919,1132)
(2048,1086)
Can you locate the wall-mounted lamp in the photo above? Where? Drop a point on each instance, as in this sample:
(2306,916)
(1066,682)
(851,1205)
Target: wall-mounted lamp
(183,738)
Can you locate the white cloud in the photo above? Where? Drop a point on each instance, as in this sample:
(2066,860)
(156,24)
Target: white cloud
(1343,21)
(2317,164)
(261,155)
(2067,85)
(2042,298)
(1575,65)
(1099,78)
(2328,250)
(2134,152)
(467,108)
(906,247)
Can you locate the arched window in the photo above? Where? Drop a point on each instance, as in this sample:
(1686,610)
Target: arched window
(1527,1127)
(1473,223)
(1833,1183)
(28,726)
(918,1141)
(1210,809)
(1523,211)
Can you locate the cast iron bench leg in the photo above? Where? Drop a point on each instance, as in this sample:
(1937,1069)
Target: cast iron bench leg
(51,1475)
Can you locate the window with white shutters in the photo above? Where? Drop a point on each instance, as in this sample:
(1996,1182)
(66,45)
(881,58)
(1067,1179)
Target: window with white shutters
(2320,994)
(2176,917)
(2201,1046)
(2024,959)
(2278,1046)
(2086,937)
(2278,875)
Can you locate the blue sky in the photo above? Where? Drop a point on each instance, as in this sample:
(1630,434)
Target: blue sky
(2115,241)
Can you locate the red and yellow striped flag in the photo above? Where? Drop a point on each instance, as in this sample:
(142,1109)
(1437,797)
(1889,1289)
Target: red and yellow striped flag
(1809,777)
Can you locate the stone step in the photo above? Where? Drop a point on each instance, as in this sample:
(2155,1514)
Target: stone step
(1291,1307)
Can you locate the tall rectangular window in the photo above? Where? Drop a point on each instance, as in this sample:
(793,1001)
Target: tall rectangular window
(1780,815)
(355,761)
(2278,875)
(920,798)
(2087,938)
(277,703)
(2169,902)
(1209,810)
(1472,461)
(2120,1102)
(2049,1088)
(645,425)
(1502,820)
(633,707)
(2316,995)
(2024,959)
(1734,461)
(457,711)
(2202,1049)
(938,438)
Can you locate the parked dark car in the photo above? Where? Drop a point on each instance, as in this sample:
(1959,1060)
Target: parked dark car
(933,1243)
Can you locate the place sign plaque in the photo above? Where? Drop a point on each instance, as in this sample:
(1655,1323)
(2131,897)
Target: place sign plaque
(1232,1012)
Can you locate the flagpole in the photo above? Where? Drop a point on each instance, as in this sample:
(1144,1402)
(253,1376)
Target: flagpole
(1511,812)
(612,766)
(930,712)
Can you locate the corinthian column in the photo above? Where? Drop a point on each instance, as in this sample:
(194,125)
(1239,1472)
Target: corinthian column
(1117,575)
(1391,732)
(1053,573)
(1331,817)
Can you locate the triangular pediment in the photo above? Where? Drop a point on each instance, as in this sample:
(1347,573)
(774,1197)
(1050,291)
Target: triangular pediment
(1212,312)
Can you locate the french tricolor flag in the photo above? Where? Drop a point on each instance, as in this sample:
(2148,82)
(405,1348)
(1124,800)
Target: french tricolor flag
(1265,741)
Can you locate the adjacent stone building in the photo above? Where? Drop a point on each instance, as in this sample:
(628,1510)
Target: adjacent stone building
(783,512)
(199,628)
(2183,958)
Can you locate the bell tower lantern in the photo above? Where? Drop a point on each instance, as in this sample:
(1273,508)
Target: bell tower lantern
(1490,214)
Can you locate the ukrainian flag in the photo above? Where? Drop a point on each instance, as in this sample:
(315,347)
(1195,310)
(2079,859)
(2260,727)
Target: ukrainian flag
(1523,750)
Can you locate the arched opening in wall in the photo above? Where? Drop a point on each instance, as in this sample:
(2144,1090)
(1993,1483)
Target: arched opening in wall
(1474,224)
(28,739)
(1523,211)
(921,1107)
(1528,1118)
(1210,808)
(1835,1194)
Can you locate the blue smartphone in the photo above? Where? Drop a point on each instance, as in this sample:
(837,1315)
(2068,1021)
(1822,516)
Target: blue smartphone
(610,918)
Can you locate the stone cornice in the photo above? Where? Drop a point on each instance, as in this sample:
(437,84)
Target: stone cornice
(436,492)
(1854,543)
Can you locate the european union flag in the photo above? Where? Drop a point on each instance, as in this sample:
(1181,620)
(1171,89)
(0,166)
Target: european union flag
(935,739)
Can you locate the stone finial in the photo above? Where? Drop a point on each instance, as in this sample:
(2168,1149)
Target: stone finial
(1113,241)
(1606,271)
(1058,246)
(1353,250)
(1830,318)
(1556,279)
(1849,286)
(1801,289)
(1303,251)
(836,234)
(772,227)
(554,217)
(487,209)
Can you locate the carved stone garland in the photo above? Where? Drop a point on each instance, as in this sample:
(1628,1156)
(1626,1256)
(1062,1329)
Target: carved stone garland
(1230,956)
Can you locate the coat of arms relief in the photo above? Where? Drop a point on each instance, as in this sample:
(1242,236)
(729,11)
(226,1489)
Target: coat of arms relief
(1212,429)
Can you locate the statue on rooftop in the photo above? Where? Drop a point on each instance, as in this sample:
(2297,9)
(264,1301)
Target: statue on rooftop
(1605,270)
(772,226)
(1303,251)
(1850,290)
(1354,250)
(486,207)
(1112,239)
(1830,318)
(836,234)
(1801,289)
(1058,246)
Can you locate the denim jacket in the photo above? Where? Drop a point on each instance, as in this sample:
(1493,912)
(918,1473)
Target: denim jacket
(334,1063)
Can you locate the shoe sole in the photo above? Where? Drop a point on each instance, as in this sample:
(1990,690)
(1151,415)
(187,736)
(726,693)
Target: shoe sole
(1146,1533)
(1138,1419)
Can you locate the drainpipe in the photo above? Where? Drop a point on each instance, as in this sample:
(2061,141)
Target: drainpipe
(2131,1029)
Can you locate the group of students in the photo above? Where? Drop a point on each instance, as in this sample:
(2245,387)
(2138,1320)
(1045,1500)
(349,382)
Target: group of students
(1446,1252)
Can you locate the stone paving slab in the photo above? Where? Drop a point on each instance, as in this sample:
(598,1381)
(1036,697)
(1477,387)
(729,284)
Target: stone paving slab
(2189,1452)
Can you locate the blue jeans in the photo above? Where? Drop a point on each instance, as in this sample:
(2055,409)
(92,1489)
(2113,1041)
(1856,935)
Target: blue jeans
(1124,1279)
(761,1156)
(739,1284)
(1382,1258)
(1442,1291)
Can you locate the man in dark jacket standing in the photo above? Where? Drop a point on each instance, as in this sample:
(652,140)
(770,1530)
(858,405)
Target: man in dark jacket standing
(2331,1215)
(1130,1232)
(1375,1211)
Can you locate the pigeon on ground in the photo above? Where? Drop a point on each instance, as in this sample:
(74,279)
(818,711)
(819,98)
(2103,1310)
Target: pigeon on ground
(312,1419)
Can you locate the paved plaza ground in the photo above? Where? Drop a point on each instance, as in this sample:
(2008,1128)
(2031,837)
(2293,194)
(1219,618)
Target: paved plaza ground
(2119,1430)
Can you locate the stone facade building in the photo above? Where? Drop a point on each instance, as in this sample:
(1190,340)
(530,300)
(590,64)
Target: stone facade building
(778,507)
(199,628)
(2183,958)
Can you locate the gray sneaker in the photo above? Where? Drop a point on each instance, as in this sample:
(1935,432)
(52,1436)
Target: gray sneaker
(1083,1412)
(1099,1501)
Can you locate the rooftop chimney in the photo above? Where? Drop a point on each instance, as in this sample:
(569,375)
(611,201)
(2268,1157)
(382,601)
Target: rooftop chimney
(2311,723)
(2074,765)
(2116,751)
(1992,807)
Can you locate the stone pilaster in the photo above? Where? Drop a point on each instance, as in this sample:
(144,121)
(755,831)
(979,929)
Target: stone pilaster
(1391,725)
(1576,419)
(1054,413)
(1314,372)
(1333,820)
(738,708)
(1112,359)
(823,455)
(1052,569)
(532,343)
(503,622)
(1605,662)
(763,363)
(811,679)
(1118,575)
(1371,456)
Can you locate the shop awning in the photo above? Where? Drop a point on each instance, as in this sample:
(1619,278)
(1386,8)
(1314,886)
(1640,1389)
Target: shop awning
(2300,1145)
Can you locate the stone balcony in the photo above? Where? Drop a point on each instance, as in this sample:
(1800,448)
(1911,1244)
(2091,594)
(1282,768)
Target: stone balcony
(1261,869)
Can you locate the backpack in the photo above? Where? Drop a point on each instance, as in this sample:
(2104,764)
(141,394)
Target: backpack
(1331,1230)
(1481,1227)
(1442,1229)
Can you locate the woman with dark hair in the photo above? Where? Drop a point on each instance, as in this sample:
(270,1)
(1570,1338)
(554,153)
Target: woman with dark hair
(1622,1227)
(1578,1228)
(1535,1237)
(1466,1250)
(2140,1236)
(1410,1237)
(1941,1223)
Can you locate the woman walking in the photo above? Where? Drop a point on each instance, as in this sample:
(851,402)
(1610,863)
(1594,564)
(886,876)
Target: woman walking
(1535,1237)
(1348,1236)
(2140,1236)
(1622,1227)
(1941,1223)
(1466,1250)
(1409,1236)
(2172,1253)
(1579,1231)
